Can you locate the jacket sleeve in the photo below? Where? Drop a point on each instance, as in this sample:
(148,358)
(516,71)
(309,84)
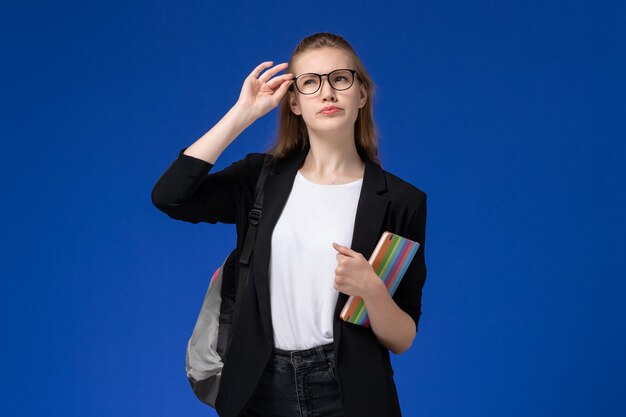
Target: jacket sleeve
(409,293)
(186,191)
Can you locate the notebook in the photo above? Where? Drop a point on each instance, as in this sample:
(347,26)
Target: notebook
(390,260)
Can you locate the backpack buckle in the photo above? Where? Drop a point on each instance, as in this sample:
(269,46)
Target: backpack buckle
(254,217)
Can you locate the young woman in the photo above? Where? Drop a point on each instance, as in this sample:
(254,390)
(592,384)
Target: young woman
(326,203)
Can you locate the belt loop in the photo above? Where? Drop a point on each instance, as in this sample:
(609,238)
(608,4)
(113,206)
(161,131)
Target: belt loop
(321,353)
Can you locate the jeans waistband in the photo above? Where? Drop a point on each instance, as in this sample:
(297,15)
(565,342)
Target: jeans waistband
(306,357)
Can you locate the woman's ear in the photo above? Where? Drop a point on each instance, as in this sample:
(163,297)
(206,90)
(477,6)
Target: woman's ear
(362,96)
(293,104)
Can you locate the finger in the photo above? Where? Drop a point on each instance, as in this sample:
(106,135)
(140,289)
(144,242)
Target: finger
(255,73)
(279,94)
(343,261)
(277,81)
(343,249)
(273,71)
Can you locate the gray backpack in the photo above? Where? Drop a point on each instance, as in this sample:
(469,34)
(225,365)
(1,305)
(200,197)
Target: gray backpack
(208,346)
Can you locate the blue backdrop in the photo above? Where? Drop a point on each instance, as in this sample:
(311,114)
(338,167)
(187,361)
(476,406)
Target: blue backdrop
(509,115)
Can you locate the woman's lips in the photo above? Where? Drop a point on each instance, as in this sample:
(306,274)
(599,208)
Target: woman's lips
(330,111)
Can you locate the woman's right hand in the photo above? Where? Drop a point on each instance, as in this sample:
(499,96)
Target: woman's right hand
(260,94)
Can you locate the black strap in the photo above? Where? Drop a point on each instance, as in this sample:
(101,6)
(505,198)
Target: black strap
(254,217)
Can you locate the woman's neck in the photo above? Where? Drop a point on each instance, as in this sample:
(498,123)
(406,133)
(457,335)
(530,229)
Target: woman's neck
(333,160)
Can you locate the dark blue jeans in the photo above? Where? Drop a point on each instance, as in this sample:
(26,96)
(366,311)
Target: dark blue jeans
(297,383)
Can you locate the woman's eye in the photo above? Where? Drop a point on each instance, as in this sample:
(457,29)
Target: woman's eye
(339,78)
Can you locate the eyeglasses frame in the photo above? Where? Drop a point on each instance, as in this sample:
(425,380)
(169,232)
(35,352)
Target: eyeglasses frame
(320,77)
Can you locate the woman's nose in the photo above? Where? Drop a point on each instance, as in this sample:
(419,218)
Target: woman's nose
(327,92)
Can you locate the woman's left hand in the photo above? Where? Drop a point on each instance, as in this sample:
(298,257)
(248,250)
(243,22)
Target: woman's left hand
(354,275)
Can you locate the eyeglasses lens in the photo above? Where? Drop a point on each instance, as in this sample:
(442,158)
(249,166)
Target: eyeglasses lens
(339,80)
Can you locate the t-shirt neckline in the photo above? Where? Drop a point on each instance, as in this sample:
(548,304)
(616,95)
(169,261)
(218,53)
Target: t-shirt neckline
(328,185)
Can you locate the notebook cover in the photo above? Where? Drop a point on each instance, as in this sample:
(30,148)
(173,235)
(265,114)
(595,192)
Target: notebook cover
(391,258)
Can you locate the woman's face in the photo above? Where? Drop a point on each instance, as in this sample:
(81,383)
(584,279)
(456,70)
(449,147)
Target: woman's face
(310,107)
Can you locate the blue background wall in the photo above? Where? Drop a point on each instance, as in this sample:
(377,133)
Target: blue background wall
(510,115)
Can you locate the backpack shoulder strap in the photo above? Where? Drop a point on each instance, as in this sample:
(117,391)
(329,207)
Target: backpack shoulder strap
(254,217)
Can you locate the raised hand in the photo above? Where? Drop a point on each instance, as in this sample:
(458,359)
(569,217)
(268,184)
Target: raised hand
(260,94)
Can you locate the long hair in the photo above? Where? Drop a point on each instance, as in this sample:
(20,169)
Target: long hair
(292,134)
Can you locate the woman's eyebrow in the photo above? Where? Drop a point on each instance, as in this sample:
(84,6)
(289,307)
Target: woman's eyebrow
(324,72)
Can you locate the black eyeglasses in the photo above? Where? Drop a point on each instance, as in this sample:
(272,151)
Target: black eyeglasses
(310,83)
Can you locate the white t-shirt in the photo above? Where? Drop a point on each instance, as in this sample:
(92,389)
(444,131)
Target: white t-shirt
(303,260)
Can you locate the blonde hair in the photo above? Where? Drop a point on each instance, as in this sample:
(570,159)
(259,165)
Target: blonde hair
(292,135)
